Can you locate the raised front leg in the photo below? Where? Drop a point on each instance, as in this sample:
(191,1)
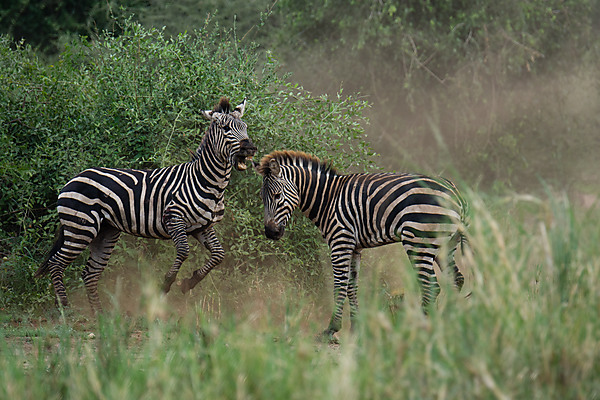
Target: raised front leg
(209,239)
(176,229)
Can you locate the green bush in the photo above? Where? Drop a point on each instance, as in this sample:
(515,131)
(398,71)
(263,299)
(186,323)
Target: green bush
(133,101)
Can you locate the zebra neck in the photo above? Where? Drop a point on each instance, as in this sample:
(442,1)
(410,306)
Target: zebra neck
(212,169)
(317,189)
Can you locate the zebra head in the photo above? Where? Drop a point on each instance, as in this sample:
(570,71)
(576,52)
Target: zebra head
(279,195)
(230,135)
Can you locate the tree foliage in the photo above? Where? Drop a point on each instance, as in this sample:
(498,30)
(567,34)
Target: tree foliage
(45,23)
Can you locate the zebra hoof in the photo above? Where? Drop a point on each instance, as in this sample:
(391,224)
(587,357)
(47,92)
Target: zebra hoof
(61,302)
(328,337)
(186,285)
(167,285)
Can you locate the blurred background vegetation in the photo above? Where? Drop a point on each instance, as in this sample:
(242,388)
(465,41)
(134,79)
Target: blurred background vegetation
(499,96)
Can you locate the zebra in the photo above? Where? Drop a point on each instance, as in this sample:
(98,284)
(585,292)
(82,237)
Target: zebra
(359,211)
(167,203)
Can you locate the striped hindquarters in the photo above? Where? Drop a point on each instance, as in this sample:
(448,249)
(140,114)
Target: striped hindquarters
(415,209)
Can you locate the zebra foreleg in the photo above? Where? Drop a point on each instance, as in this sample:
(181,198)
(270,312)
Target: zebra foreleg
(341,277)
(100,250)
(353,288)
(210,241)
(176,229)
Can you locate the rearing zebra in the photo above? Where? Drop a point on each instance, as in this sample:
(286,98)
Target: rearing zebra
(172,202)
(359,211)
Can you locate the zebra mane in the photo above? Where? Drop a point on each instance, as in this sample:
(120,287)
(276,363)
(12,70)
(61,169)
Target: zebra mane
(223,106)
(289,157)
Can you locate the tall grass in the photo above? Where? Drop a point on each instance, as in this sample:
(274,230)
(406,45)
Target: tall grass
(529,330)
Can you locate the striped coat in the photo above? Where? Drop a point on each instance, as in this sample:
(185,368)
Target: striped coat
(167,203)
(359,211)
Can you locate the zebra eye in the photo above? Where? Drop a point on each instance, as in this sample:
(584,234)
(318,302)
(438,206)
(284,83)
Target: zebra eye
(277,196)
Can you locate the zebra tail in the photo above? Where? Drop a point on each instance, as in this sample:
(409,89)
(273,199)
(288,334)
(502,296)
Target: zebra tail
(463,241)
(45,267)
(465,219)
(459,239)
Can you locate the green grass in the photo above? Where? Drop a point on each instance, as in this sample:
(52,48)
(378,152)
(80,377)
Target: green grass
(530,330)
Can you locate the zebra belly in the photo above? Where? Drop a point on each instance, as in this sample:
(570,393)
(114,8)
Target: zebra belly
(419,225)
(134,202)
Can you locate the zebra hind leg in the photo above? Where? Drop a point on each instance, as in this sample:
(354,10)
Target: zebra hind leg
(65,250)
(459,279)
(450,262)
(100,250)
(353,289)
(427,279)
(211,242)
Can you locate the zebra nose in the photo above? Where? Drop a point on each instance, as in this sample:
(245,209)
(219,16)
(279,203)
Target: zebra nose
(247,148)
(273,231)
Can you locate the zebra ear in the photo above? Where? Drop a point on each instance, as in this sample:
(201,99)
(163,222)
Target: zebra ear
(256,166)
(210,114)
(239,110)
(274,168)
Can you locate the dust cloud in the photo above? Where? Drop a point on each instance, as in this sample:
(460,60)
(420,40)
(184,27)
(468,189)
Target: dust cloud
(261,298)
(538,128)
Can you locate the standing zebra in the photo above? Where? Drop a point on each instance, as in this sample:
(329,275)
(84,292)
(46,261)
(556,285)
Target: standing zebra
(172,202)
(359,211)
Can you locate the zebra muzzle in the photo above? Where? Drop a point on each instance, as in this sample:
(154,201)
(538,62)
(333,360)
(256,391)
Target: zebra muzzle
(274,231)
(246,152)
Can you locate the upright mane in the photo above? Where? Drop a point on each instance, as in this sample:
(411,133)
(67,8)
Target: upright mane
(223,106)
(288,157)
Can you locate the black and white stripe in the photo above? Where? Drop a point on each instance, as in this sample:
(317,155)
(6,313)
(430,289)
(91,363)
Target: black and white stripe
(167,203)
(360,211)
